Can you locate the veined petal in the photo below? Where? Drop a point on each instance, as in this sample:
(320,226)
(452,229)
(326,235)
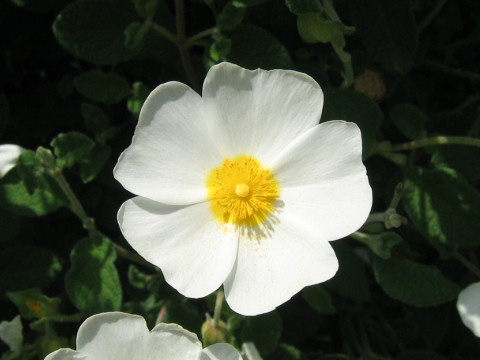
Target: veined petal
(468,305)
(172,342)
(270,269)
(194,251)
(172,151)
(220,352)
(9,154)
(259,112)
(324,182)
(66,354)
(113,336)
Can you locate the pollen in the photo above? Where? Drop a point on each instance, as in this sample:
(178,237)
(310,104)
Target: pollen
(242,191)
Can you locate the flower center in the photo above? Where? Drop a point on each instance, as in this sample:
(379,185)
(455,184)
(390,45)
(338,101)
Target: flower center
(242,191)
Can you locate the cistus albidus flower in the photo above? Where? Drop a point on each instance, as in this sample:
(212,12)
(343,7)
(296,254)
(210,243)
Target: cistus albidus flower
(242,186)
(9,154)
(121,336)
(468,305)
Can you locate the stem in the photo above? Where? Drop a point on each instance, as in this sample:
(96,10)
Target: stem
(467,263)
(376,217)
(88,223)
(182,46)
(439,140)
(218,308)
(360,237)
(207,32)
(164,32)
(451,70)
(431,15)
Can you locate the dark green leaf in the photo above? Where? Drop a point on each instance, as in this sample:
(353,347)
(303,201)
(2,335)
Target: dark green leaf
(24,267)
(388,30)
(253,47)
(32,303)
(412,283)
(287,352)
(31,169)
(419,355)
(231,16)
(91,165)
(409,119)
(94,118)
(146,8)
(134,34)
(303,6)
(14,196)
(319,299)
(92,283)
(264,330)
(71,148)
(442,205)
(184,314)
(382,244)
(92,30)
(464,159)
(102,87)
(348,105)
(350,280)
(220,48)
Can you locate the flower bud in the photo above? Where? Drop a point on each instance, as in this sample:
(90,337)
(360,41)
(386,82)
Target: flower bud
(212,335)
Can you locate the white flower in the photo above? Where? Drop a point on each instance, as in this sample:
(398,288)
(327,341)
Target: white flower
(242,186)
(468,305)
(11,332)
(9,154)
(117,336)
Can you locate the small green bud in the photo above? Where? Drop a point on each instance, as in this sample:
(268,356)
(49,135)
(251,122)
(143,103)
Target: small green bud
(213,335)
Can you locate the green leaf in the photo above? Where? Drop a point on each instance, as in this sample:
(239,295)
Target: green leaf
(33,304)
(220,48)
(232,15)
(92,165)
(46,198)
(464,159)
(318,299)
(388,30)
(92,283)
(351,279)
(71,148)
(31,169)
(287,352)
(24,267)
(412,283)
(264,330)
(348,105)
(102,87)
(442,205)
(299,7)
(253,47)
(139,95)
(409,119)
(92,30)
(94,118)
(134,34)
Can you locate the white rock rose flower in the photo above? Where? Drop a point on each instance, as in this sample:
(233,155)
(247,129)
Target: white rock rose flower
(468,305)
(9,154)
(242,186)
(117,336)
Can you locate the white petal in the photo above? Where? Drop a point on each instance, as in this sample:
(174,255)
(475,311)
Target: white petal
(259,112)
(220,352)
(113,336)
(9,154)
(11,333)
(270,269)
(323,180)
(194,251)
(172,342)
(66,354)
(171,152)
(468,305)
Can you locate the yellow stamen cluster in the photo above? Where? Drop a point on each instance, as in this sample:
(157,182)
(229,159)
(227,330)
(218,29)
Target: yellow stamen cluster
(242,191)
